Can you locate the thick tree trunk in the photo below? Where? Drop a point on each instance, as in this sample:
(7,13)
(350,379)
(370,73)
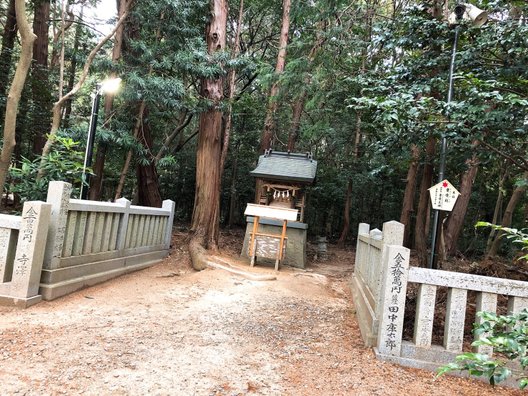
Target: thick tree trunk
(147,176)
(456,218)
(422,213)
(96,182)
(517,195)
(266,140)
(42,96)
(408,196)
(298,108)
(231,91)
(26,40)
(206,212)
(6,55)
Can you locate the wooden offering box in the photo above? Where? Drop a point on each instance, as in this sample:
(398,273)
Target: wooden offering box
(267,245)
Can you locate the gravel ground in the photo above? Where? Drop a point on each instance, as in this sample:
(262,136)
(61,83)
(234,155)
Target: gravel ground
(169,330)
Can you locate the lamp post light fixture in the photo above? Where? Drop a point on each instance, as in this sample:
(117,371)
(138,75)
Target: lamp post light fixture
(478,17)
(110,86)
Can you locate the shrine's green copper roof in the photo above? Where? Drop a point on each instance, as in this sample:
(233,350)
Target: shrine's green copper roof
(276,165)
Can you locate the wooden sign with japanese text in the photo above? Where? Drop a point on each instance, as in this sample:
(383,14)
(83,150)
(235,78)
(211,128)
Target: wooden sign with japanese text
(443,196)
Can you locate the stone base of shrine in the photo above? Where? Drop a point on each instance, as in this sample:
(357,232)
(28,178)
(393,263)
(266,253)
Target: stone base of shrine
(296,233)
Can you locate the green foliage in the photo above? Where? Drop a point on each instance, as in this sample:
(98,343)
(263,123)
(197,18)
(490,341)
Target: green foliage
(64,163)
(515,235)
(508,336)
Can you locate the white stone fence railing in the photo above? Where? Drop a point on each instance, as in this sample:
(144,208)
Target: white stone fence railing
(87,242)
(394,277)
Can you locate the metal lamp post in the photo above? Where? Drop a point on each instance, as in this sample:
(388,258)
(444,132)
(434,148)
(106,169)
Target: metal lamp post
(478,18)
(107,86)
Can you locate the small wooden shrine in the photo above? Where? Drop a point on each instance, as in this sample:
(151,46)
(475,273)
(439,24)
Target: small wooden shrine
(281,181)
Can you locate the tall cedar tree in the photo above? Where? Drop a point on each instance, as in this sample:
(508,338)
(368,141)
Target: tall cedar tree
(206,212)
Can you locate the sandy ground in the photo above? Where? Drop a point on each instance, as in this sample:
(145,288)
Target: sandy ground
(169,330)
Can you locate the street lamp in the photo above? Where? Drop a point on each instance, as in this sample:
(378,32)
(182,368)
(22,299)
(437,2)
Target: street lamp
(110,86)
(478,18)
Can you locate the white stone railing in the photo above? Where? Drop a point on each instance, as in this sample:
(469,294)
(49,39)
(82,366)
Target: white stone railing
(458,285)
(90,242)
(394,276)
(368,268)
(22,243)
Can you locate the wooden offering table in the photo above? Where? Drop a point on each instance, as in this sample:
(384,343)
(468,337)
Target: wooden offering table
(265,244)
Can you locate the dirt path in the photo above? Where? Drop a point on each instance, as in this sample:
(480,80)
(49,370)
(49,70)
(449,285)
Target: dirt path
(168,330)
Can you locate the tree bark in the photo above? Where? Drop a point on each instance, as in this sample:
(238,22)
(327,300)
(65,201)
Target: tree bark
(6,55)
(26,51)
(73,68)
(266,140)
(231,91)
(147,176)
(40,86)
(422,213)
(408,196)
(298,108)
(206,212)
(456,218)
(507,218)
(96,182)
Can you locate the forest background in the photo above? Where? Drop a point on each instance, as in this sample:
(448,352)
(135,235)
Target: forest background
(360,84)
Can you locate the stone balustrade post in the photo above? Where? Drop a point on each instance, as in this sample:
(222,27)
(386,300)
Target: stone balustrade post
(59,197)
(27,266)
(169,206)
(123,224)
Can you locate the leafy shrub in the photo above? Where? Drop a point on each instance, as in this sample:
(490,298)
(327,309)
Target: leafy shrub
(508,335)
(513,234)
(64,163)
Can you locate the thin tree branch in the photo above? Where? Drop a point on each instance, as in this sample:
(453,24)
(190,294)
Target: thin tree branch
(172,136)
(523,164)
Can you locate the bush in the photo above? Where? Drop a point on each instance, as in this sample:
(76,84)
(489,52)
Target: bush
(508,335)
(516,236)
(64,163)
